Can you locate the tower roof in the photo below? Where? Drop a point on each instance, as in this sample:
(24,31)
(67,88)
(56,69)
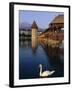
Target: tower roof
(34,25)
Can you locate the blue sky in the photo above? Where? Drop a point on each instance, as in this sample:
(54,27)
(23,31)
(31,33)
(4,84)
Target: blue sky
(42,18)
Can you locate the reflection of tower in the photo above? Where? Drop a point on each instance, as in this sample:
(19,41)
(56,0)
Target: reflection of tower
(34,35)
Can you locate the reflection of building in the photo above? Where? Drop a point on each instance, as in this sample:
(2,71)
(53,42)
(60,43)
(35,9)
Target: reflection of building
(25,44)
(34,34)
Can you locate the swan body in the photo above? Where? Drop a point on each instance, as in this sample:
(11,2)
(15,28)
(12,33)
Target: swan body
(45,73)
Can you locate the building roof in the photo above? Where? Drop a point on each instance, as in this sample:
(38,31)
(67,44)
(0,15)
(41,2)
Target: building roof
(34,25)
(58,19)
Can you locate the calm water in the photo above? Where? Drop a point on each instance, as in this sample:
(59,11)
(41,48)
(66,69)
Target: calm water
(30,56)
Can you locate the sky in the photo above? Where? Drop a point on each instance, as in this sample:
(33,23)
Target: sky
(42,18)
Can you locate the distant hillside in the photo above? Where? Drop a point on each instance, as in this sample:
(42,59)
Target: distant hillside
(24,26)
(27,26)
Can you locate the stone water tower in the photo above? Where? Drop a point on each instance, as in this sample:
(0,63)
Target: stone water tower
(34,34)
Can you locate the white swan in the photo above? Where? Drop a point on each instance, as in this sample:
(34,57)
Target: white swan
(45,73)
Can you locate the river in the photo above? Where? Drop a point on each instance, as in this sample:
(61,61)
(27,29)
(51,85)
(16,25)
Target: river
(31,57)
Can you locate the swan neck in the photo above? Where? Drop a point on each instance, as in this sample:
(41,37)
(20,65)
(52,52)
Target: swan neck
(40,69)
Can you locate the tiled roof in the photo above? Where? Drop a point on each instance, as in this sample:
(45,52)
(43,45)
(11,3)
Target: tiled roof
(58,19)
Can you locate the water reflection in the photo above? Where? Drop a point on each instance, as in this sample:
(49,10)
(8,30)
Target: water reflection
(34,45)
(31,54)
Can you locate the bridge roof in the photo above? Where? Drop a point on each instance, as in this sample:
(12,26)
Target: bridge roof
(58,19)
